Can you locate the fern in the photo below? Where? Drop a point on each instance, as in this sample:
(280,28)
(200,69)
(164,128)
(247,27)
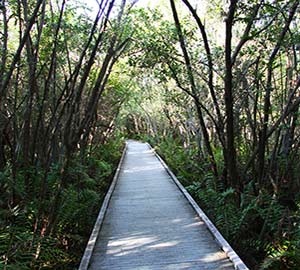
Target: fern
(80,199)
(260,227)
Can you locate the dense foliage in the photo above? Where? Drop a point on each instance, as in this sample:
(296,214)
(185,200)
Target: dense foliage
(214,87)
(22,245)
(58,151)
(263,231)
(222,106)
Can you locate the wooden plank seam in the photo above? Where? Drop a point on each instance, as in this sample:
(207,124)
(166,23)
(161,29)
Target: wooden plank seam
(85,261)
(231,254)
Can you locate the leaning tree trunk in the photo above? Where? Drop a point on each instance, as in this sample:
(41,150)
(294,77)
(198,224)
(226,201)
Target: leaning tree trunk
(263,140)
(193,92)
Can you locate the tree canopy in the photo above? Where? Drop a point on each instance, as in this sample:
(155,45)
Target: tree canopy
(214,85)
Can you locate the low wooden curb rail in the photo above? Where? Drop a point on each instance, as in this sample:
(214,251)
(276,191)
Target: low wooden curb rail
(231,254)
(224,245)
(85,261)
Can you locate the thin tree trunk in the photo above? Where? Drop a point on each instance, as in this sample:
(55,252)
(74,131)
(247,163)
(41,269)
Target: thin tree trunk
(8,75)
(230,155)
(32,89)
(267,102)
(194,90)
(210,69)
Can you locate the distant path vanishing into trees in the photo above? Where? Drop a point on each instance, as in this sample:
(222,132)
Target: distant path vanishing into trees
(150,224)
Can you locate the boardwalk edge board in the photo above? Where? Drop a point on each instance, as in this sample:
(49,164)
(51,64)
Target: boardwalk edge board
(85,261)
(231,254)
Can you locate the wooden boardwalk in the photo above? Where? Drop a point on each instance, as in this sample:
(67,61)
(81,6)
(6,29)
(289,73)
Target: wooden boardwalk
(149,223)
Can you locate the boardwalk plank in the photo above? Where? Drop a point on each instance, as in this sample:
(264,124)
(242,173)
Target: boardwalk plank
(149,224)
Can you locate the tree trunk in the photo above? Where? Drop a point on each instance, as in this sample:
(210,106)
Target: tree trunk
(263,140)
(230,155)
(194,91)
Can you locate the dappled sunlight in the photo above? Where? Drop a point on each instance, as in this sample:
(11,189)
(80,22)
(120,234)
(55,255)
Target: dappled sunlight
(139,153)
(165,244)
(132,242)
(143,168)
(157,242)
(132,246)
(152,226)
(144,162)
(196,224)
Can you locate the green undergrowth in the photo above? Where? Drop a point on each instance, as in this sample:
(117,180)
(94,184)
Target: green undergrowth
(23,245)
(263,232)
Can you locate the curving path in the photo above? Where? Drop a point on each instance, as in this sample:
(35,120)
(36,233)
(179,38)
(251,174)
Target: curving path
(149,223)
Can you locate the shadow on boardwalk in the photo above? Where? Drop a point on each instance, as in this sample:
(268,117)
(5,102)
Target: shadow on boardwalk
(149,224)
